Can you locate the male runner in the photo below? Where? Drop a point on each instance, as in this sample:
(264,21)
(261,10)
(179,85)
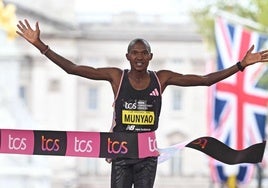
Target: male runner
(137,94)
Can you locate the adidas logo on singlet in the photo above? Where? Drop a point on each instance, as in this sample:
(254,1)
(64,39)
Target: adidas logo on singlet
(154,92)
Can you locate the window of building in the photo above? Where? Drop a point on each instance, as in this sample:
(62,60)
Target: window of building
(22,94)
(93,94)
(176,164)
(54,85)
(176,99)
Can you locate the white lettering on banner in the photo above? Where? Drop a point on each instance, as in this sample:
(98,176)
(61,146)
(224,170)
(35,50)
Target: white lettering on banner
(82,145)
(16,143)
(152,144)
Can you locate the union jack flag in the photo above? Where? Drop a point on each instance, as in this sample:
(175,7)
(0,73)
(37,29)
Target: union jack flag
(239,105)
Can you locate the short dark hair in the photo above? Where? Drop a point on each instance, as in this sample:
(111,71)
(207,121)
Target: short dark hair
(134,41)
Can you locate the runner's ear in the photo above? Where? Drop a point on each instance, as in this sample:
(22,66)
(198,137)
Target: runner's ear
(127,56)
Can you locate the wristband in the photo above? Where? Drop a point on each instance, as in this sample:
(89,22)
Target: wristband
(46,50)
(239,66)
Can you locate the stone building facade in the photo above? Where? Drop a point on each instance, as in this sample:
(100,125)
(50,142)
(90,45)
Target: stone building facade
(55,100)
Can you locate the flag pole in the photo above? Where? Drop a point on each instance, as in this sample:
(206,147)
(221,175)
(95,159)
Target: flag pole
(238,19)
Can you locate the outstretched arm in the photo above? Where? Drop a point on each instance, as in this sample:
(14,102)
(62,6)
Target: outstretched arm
(33,37)
(172,78)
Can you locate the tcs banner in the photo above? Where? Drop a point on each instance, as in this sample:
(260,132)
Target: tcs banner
(83,144)
(117,145)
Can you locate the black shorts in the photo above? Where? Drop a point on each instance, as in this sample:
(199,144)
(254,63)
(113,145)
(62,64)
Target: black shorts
(137,172)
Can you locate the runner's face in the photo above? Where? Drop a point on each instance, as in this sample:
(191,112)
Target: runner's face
(139,57)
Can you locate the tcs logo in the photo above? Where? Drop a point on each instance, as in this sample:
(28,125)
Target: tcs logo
(82,145)
(50,142)
(130,105)
(152,144)
(115,147)
(202,142)
(118,144)
(15,143)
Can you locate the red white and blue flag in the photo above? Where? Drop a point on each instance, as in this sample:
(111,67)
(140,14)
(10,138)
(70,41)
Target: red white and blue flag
(239,106)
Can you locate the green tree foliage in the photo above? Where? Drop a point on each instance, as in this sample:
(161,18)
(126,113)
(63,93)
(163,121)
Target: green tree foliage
(254,10)
(204,15)
(261,12)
